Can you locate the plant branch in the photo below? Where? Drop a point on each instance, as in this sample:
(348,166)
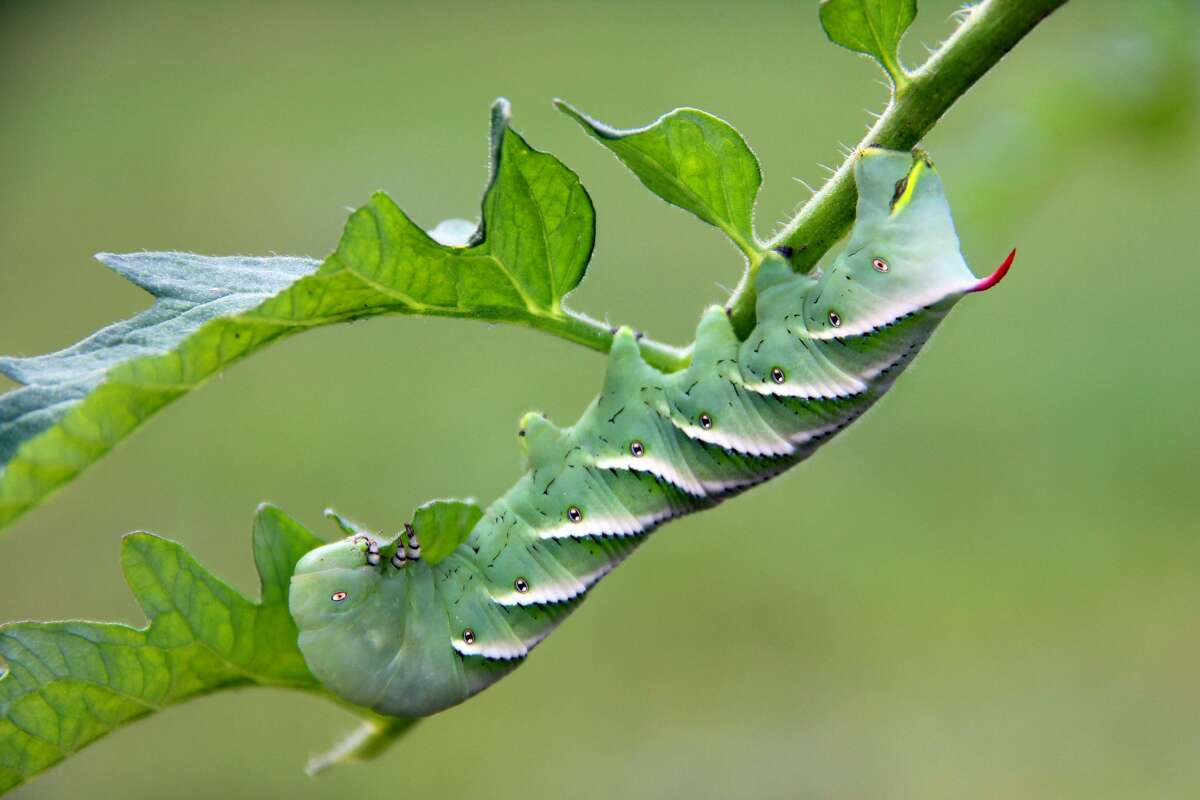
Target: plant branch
(373,736)
(591,333)
(989,31)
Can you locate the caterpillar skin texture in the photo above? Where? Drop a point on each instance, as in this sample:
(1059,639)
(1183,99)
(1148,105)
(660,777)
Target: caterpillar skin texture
(386,630)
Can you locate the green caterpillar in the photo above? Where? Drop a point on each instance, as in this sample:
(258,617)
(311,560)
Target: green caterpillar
(384,628)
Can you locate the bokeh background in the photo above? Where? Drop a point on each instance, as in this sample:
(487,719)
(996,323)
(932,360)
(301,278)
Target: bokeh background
(989,587)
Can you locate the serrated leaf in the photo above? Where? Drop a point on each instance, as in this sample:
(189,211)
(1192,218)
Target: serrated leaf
(69,683)
(188,291)
(443,525)
(692,160)
(530,250)
(871,27)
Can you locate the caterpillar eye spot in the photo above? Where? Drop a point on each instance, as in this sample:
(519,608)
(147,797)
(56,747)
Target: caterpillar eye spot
(521,585)
(637,448)
(777,375)
(468,636)
(337,597)
(880,265)
(574,514)
(834,319)
(705,421)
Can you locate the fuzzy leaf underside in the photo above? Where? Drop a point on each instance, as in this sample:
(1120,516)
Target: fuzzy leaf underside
(69,683)
(189,290)
(693,160)
(871,27)
(531,248)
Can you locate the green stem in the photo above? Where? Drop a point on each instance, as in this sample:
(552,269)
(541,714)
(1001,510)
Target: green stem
(990,30)
(373,736)
(598,336)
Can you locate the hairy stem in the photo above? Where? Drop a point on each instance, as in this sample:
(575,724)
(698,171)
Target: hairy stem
(989,31)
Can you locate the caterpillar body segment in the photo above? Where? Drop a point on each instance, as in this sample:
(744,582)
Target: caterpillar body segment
(386,629)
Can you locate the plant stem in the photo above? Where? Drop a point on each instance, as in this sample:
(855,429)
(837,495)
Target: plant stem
(989,31)
(592,333)
(373,736)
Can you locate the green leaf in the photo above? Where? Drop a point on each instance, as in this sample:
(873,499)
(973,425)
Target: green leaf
(69,683)
(189,290)
(443,525)
(347,525)
(692,160)
(529,251)
(871,27)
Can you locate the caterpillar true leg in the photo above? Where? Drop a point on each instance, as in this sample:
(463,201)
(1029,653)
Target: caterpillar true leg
(413,544)
(372,552)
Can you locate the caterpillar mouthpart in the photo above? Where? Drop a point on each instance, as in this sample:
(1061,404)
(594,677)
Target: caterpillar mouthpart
(991,280)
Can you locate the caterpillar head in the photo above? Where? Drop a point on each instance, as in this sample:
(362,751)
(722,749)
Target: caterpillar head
(373,629)
(332,582)
(903,254)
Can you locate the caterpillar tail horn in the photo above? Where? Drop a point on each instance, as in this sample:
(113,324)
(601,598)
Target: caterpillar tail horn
(991,280)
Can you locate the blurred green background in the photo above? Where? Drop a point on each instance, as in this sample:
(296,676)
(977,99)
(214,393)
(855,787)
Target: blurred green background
(987,588)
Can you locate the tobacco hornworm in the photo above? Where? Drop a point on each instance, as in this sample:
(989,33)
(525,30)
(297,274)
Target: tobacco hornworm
(385,628)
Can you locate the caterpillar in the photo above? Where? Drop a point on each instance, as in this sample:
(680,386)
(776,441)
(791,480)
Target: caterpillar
(383,627)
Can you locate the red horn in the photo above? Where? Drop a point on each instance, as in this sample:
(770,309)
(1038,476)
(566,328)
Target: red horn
(991,280)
